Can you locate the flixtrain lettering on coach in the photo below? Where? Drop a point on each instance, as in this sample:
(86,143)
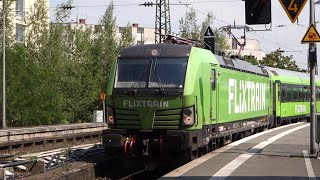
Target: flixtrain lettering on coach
(246,96)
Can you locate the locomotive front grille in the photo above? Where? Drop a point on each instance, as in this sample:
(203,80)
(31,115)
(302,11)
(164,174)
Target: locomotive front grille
(127,118)
(167,119)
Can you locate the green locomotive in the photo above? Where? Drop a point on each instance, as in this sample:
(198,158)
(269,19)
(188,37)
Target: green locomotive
(168,99)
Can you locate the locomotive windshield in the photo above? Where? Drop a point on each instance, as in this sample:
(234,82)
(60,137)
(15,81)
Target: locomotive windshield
(151,73)
(132,72)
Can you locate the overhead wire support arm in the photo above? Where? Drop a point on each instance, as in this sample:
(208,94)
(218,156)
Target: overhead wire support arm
(228,30)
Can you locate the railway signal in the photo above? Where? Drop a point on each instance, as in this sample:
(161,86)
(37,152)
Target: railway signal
(209,40)
(258,12)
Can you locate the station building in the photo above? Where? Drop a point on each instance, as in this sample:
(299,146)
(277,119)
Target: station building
(18,10)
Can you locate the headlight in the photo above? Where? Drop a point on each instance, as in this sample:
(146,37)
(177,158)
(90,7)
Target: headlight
(188,116)
(110,116)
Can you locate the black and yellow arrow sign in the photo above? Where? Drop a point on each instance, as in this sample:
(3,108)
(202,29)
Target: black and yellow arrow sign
(311,36)
(293,8)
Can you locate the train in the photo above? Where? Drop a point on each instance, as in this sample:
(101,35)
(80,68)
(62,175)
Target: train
(171,100)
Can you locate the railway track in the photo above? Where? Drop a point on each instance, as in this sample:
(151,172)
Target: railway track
(35,163)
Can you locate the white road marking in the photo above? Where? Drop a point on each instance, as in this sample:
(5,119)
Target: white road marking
(228,169)
(308,165)
(185,168)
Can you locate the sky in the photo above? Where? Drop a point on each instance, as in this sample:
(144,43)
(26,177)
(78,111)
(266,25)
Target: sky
(282,33)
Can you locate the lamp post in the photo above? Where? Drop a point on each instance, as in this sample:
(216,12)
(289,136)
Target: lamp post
(3,65)
(313,65)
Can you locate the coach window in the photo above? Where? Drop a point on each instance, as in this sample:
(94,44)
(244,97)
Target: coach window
(290,93)
(307,91)
(283,93)
(213,79)
(279,94)
(300,93)
(318,93)
(296,93)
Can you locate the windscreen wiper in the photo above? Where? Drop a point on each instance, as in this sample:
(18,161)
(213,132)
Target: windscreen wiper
(134,91)
(161,90)
(137,82)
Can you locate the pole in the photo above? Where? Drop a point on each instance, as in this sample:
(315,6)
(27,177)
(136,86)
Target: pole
(104,110)
(3,65)
(313,65)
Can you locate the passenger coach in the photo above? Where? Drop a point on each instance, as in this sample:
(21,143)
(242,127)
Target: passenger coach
(291,95)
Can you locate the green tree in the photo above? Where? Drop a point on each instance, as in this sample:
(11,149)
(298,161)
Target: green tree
(57,74)
(89,55)
(107,38)
(188,25)
(251,59)
(190,29)
(278,60)
(62,15)
(10,36)
(33,97)
(126,38)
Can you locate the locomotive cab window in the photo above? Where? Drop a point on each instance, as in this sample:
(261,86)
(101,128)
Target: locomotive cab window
(213,79)
(168,72)
(131,72)
(151,73)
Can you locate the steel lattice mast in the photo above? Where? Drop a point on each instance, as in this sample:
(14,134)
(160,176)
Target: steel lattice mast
(163,25)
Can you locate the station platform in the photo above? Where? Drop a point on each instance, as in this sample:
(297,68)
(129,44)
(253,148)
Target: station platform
(279,153)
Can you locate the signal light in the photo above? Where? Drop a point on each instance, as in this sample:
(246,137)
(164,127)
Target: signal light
(110,116)
(258,11)
(110,120)
(188,118)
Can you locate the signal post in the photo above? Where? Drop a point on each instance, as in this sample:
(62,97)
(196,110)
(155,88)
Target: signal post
(313,65)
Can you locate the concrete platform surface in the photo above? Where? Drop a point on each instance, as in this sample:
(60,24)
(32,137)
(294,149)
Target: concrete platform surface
(280,153)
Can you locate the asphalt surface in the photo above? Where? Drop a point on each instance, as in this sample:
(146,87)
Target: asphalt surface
(280,153)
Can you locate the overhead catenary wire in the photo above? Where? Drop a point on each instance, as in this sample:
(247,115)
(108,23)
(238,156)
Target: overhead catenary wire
(202,13)
(250,32)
